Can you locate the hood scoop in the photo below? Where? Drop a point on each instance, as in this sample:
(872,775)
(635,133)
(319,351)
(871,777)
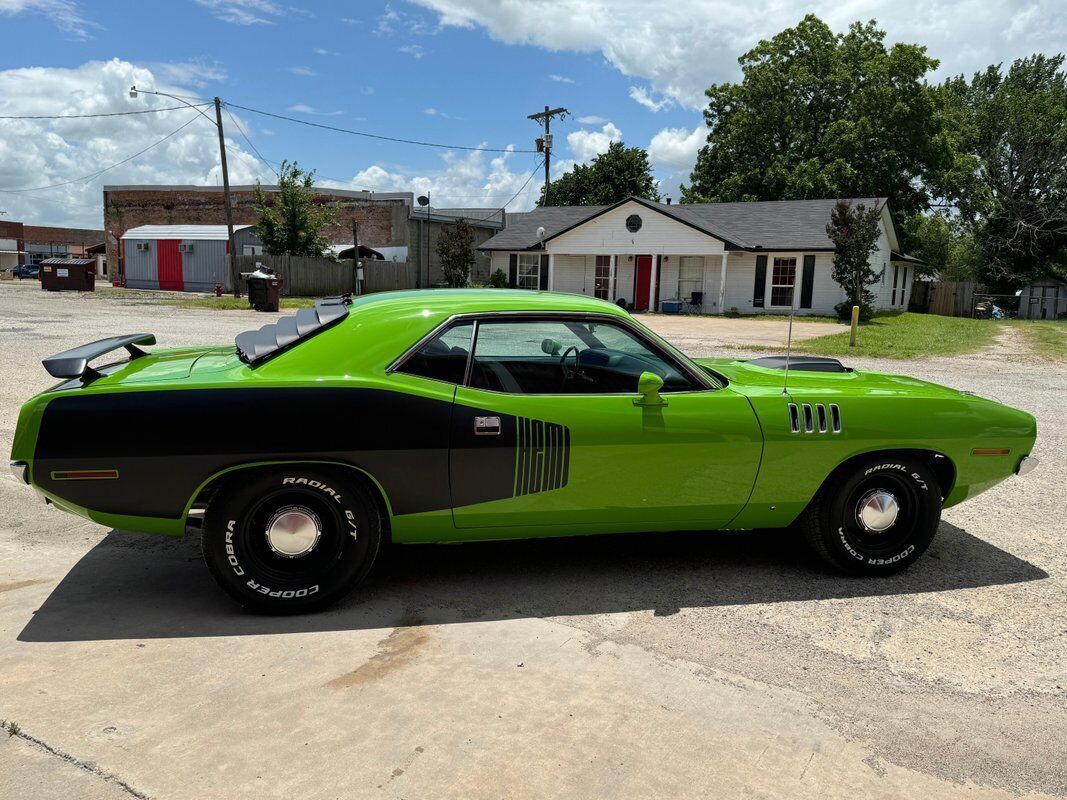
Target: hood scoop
(801,363)
(255,346)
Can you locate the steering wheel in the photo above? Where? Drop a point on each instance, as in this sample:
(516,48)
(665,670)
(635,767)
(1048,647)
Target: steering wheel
(570,374)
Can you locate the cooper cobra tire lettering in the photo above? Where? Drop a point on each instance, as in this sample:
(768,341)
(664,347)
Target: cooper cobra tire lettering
(235,530)
(844,541)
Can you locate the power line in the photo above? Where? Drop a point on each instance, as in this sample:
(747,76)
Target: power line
(509,202)
(100,172)
(90,116)
(379,136)
(254,148)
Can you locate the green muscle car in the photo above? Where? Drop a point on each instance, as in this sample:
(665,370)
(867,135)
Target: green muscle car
(463,415)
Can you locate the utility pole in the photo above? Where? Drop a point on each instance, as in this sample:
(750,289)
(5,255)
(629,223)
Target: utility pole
(355,255)
(545,117)
(232,255)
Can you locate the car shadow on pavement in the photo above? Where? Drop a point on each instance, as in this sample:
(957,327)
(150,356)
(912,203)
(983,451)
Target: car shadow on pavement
(132,586)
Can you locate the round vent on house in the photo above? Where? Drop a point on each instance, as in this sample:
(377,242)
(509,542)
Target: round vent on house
(633,223)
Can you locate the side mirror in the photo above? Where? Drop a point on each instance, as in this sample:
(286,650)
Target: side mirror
(648,386)
(550,347)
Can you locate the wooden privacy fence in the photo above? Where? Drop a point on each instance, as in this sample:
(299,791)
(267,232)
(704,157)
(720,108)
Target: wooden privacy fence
(954,298)
(303,276)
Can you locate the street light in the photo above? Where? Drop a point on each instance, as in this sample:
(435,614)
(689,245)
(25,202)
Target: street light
(424,200)
(230,250)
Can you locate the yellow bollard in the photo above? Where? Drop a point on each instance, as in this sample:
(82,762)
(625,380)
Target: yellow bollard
(855,324)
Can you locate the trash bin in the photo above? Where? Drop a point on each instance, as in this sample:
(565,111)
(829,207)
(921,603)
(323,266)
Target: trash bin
(78,274)
(264,289)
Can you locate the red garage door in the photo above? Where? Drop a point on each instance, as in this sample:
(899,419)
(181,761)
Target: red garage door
(169,265)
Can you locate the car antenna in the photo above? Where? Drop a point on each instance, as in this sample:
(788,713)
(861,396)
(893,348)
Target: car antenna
(788,346)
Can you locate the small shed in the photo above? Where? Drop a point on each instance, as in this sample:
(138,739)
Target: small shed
(1043,300)
(182,258)
(74,274)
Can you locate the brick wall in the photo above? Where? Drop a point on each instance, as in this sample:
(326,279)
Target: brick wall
(382,221)
(72,237)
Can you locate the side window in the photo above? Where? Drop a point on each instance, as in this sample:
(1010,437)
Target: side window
(566,357)
(443,358)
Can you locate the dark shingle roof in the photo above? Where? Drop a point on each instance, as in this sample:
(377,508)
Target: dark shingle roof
(767,225)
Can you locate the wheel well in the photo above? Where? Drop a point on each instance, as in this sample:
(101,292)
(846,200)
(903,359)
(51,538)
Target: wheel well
(195,515)
(939,464)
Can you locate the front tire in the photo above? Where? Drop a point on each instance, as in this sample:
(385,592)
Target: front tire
(291,540)
(876,518)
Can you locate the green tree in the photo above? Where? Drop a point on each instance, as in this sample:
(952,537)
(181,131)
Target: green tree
(820,115)
(292,220)
(1013,193)
(946,246)
(619,173)
(854,231)
(455,249)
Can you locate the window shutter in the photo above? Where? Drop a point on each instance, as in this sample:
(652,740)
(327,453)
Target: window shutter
(543,284)
(760,289)
(807,282)
(513,270)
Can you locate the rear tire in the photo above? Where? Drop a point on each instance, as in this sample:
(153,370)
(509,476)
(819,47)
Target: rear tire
(291,540)
(876,518)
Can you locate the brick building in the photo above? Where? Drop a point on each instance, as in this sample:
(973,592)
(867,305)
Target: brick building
(382,217)
(31,244)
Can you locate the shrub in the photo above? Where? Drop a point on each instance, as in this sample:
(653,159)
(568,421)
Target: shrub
(498,280)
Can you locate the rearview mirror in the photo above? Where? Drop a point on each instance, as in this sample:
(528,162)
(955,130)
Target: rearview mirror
(648,386)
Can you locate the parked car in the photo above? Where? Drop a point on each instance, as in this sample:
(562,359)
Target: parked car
(23,271)
(461,415)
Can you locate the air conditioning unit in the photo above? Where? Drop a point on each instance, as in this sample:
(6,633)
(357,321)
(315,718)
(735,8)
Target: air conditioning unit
(143,247)
(185,248)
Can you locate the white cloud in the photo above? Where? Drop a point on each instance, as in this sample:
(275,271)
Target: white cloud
(194,72)
(462,180)
(413,50)
(560,79)
(587,144)
(244,12)
(682,46)
(676,148)
(304,108)
(36,153)
(65,14)
(590,119)
(642,96)
(304,72)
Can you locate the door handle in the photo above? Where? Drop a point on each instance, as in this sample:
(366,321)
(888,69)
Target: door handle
(487,426)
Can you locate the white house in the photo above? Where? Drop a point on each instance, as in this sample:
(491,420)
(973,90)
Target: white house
(712,257)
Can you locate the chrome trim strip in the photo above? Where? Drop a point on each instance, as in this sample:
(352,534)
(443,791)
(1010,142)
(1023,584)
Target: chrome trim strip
(809,420)
(820,413)
(835,418)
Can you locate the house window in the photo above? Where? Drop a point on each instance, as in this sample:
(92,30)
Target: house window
(690,277)
(783,279)
(602,277)
(529,271)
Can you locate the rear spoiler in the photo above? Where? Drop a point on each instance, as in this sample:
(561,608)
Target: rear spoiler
(255,346)
(75,363)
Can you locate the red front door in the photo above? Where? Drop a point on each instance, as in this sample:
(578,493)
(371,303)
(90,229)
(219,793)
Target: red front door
(169,265)
(643,283)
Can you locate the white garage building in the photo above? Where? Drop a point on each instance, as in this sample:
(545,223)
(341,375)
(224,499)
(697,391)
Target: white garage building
(713,258)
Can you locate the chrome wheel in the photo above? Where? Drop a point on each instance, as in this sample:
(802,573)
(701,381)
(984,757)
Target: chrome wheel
(293,531)
(877,511)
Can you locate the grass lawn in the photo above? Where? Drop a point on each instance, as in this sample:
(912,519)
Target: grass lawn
(230,303)
(1047,339)
(907,335)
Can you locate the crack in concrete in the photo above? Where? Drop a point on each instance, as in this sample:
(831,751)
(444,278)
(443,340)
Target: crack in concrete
(86,766)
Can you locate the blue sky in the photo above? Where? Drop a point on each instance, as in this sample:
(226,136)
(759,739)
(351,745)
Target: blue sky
(462,72)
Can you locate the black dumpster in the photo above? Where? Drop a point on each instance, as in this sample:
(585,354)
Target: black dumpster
(77,274)
(264,289)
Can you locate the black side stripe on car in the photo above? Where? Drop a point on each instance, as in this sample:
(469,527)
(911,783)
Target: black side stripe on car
(543,454)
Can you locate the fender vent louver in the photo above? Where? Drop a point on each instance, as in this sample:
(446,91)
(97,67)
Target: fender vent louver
(811,418)
(255,346)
